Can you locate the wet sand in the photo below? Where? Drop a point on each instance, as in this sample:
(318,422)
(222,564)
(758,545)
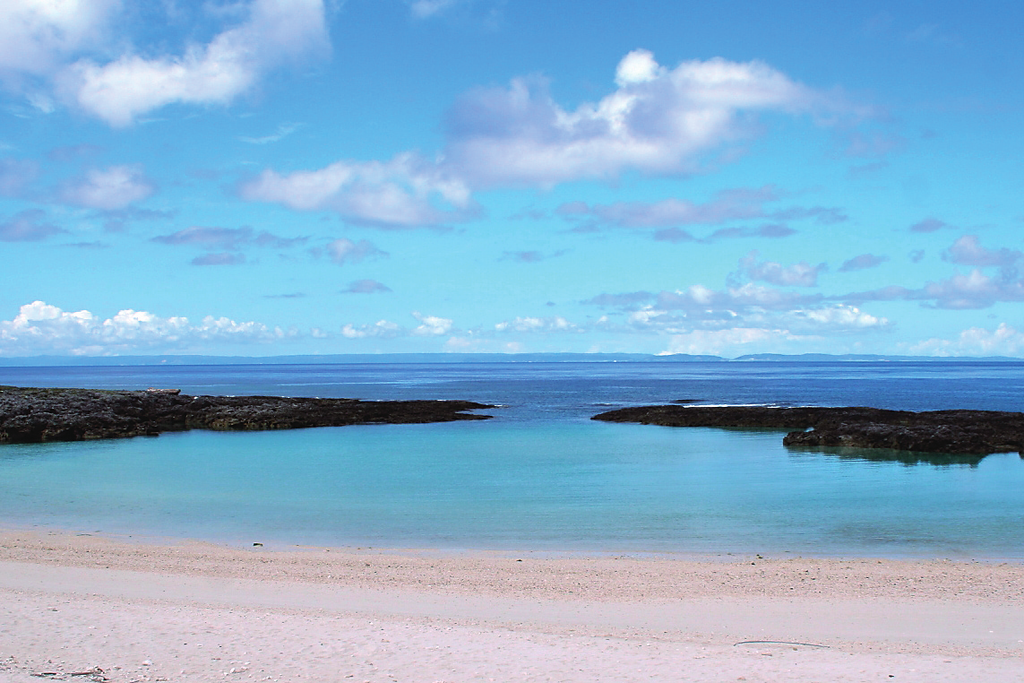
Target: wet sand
(89,608)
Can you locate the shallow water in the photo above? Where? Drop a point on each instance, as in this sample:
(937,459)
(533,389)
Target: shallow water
(541,474)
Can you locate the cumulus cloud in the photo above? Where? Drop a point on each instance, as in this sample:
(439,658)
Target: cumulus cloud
(40,328)
(658,121)
(968,251)
(862,262)
(275,32)
(109,189)
(797,275)
(381,328)
(976,341)
(746,297)
(788,332)
(973,290)
(530,324)
(431,325)
(227,238)
(343,251)
(27,226)
(365,287)
(733,342)
(37,36)
(400,193)
(705,320)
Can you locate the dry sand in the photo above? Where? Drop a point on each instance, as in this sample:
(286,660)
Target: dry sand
(84,608)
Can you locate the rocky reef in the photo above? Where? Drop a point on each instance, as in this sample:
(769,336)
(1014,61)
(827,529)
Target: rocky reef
(36,415)
(969,432)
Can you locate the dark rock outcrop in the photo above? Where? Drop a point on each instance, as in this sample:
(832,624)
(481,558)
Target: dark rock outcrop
(942,431)
(36,415)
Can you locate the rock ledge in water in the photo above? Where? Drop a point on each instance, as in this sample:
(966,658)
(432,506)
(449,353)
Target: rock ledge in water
(942,431)
(35,415)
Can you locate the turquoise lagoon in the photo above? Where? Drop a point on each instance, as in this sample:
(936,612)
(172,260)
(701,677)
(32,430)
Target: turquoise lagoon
(540,475)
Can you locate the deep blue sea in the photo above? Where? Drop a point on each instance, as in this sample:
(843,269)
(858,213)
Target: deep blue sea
(541,475)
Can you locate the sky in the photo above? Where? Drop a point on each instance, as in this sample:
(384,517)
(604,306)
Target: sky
(277,177)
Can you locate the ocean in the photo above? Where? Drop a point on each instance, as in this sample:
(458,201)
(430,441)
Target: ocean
(540,475)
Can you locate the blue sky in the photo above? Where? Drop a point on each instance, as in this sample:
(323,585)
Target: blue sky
(265,177)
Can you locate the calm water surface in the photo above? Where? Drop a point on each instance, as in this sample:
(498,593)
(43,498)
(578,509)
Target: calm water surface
(541,474)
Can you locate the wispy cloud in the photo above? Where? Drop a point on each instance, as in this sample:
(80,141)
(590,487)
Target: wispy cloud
(365,287)
(862,262)
(929,225)
(108,189)
(283,131)
(344,251)
(227,238)
(28,226)
(219,259)
(16,176)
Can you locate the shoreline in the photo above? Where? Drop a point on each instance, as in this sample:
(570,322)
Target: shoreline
(73,603)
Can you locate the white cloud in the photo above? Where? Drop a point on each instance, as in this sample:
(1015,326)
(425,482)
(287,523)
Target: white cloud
(40,328)
(276,31)
(835,318)
(399,193)
(658,121)
(976,341)
(344,251)
(108,189)
(431,325)
(731,342)
(968,251)
(37,36)
(974,290)
(698,298)
(530,324)
(381,328)
(797,275)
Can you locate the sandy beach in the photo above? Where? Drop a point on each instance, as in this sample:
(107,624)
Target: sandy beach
(78,607)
